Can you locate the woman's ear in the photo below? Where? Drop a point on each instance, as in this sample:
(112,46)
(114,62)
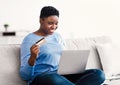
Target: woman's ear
(41,20)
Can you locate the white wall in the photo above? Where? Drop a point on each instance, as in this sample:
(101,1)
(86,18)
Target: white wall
(78,18)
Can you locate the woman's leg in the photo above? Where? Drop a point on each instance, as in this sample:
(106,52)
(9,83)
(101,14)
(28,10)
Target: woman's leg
(91,77)
(51,79)
(88,77)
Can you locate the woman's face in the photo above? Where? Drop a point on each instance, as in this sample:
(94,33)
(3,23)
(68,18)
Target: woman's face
(49,24)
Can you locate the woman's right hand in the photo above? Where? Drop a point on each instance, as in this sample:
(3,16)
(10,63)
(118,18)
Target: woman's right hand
(34,50)
(34,53)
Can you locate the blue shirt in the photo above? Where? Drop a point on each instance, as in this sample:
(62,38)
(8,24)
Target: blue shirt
(48,58)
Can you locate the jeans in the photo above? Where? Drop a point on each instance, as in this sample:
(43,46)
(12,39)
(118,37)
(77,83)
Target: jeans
(88,77)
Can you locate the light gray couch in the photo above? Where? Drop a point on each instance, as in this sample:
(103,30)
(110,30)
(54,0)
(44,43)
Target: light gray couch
(9,65)
(10,58)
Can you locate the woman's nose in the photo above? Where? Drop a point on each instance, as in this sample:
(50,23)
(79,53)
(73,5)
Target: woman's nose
(54,26)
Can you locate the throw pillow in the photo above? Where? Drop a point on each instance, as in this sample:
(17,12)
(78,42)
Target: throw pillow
(110,58)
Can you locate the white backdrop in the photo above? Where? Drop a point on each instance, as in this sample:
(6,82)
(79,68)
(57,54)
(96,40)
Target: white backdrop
(78,18)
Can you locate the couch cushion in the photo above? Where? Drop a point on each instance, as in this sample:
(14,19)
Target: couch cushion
(94,59)
(9,65)
(109,55)
(88,43)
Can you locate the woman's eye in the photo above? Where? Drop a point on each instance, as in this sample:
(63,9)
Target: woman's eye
(50,23)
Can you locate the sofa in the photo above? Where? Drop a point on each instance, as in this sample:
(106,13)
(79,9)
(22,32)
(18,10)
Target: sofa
(10,57)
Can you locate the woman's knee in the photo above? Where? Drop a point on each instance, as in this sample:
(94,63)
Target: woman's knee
(99,75)
(92,77)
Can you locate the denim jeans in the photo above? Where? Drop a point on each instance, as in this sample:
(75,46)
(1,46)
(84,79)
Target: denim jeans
(88,77)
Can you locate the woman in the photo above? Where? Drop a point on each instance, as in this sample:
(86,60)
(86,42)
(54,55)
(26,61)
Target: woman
(39,64)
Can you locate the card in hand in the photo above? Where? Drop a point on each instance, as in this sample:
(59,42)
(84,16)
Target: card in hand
(41,41)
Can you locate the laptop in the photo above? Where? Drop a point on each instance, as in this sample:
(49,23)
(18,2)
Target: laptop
(73,61)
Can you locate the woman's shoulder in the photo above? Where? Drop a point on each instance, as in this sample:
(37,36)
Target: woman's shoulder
(28,36)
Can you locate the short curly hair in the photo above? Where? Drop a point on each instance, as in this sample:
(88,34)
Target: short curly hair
(48,11)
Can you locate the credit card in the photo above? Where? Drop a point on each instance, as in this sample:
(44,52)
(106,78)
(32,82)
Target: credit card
(40,42)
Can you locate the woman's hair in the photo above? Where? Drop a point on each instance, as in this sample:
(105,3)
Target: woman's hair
(48,11)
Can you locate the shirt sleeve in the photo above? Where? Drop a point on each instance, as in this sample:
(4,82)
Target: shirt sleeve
(26,71)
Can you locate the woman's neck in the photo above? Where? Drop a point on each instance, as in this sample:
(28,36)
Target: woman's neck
(40,33)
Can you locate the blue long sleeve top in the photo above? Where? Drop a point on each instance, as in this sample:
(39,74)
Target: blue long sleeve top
(48,58)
